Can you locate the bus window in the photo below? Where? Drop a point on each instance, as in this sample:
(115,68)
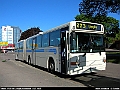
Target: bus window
(39,41)
(55,38)
(87,42)
(45,40)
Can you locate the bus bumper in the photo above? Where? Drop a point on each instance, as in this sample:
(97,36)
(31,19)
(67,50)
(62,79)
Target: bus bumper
(85,69)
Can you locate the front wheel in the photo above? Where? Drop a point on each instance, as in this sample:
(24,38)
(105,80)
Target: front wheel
(51,67)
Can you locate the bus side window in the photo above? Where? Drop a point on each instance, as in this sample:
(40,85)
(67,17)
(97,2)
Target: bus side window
(45,40)
(39,41)
(55,38)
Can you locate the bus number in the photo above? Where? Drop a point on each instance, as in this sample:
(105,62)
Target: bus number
(80,25)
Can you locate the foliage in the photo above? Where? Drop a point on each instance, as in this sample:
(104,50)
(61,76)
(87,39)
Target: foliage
(30,32)
(99,7)
(82,17)
(117,36)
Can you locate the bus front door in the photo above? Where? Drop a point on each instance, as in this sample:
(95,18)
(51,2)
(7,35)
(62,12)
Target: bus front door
(63,52)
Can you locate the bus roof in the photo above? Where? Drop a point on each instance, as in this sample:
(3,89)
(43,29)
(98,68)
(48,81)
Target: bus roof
(59,27)
(65,25)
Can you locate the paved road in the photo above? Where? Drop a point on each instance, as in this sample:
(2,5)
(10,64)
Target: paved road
(16,73)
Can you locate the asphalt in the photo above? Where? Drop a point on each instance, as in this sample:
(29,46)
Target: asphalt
(17,73)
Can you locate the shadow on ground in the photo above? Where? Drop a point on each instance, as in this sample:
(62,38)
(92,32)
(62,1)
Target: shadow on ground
(94,80)
(89,80)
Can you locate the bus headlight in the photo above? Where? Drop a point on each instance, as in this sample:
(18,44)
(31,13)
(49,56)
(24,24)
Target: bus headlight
(75,63)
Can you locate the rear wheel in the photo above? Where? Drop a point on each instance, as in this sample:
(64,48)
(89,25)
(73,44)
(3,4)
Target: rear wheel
(29,60)
(16,57)
(51,67)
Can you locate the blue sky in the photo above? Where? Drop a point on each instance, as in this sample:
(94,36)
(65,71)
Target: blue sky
(45,14)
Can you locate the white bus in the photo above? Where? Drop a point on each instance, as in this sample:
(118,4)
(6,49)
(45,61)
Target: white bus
(73,48)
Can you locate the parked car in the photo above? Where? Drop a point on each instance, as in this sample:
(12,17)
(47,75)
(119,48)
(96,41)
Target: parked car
(4,51)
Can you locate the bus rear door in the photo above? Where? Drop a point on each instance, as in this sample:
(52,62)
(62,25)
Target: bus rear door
(34,41)
(64,52)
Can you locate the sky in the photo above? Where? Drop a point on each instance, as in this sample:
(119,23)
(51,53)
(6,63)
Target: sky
(45,14)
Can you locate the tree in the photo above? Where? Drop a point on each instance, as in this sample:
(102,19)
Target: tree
(99,7)
(83,17)
(30,32)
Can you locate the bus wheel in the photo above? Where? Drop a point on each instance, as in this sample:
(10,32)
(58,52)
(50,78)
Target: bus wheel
(16,57)
(29,60)
(51,67)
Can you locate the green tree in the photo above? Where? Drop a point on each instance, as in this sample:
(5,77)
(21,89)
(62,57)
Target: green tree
(117,36)
(83,17)
(99,7)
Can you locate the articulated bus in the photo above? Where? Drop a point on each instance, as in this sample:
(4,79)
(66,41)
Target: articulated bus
(73,48)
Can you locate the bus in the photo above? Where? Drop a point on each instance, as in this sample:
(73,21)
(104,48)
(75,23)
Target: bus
(76,47)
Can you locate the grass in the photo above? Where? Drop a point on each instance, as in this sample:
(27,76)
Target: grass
(113,61)
(113,57)
(3,60)
(112,52)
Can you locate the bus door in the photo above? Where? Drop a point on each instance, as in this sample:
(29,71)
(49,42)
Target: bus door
(34,51)
(63,52)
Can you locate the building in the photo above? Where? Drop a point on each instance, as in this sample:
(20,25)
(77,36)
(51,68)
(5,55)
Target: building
(11,35)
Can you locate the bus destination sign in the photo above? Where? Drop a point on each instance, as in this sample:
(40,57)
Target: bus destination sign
(88,26)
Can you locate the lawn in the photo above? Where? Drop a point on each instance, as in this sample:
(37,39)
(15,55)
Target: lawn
(113,57)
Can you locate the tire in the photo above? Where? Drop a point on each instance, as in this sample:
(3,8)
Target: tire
(29,60)
(51,67)
(16,57)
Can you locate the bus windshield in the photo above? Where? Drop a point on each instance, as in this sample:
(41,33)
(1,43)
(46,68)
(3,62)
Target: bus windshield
(86,42)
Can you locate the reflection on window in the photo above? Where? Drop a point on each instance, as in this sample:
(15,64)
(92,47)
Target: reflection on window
(45,40)
(55,38)
(39,41)
(21,45)
(86,42)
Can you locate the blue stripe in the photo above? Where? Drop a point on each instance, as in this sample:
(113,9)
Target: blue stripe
(53,50)
(16,51)
(40,50)
(20,50)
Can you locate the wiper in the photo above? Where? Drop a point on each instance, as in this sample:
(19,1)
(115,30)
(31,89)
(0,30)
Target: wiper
(84,54)
(100,53)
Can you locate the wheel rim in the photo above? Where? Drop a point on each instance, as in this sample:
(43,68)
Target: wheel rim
(51,66)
